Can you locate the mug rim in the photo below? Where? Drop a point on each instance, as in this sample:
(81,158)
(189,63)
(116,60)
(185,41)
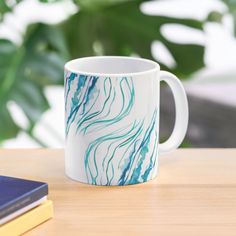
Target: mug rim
(69,64)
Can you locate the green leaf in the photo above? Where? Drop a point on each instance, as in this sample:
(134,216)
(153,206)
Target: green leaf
(8,128)
(26,70)
(31,100)
(122,29)
(7,6)
(189,58)
(4,8)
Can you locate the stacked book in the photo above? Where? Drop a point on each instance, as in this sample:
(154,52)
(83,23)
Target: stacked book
(23,205)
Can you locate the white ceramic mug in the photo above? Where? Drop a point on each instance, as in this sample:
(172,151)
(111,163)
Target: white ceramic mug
(112,119)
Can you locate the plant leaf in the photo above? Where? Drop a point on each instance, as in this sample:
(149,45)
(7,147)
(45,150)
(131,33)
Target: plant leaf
(7,6)
(122,29)
(26,70)
(8,128)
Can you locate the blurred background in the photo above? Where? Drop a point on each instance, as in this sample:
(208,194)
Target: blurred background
(195,39)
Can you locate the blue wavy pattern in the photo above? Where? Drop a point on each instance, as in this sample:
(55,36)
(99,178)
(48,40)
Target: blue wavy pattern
(85,89)
(128,153)
(138,155)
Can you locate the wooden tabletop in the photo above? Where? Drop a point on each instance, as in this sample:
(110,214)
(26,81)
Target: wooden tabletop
(194,194)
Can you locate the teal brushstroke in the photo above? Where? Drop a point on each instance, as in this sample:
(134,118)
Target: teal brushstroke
(75,101)
(69,80)
(124,111)
(142,151)
(152,162)
(123,143)
(90,93)
(87,116)
(123,177)
(114,137)
(131,140)
(78,100)
(94,146)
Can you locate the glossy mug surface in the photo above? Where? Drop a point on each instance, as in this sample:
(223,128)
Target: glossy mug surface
(112,119)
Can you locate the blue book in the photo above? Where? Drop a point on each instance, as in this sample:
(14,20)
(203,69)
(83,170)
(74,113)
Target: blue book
(16,194)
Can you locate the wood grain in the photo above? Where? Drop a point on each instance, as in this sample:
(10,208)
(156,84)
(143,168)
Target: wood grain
(194,194)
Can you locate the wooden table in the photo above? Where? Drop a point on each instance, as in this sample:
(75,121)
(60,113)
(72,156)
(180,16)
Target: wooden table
(194,194)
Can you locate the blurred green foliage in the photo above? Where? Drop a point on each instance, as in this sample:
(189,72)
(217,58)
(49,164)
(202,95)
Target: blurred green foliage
(101,27)
(25,71)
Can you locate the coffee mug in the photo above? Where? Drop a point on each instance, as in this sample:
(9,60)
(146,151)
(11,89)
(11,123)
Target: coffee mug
(112,119)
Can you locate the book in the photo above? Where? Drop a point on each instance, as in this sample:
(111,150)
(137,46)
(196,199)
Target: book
(16,194)
(22,211)
(29,220)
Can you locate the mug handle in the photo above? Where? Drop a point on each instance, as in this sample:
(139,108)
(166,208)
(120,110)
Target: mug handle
(181,111)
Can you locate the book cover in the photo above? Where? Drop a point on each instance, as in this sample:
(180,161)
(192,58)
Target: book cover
(18,193)
(28,220)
